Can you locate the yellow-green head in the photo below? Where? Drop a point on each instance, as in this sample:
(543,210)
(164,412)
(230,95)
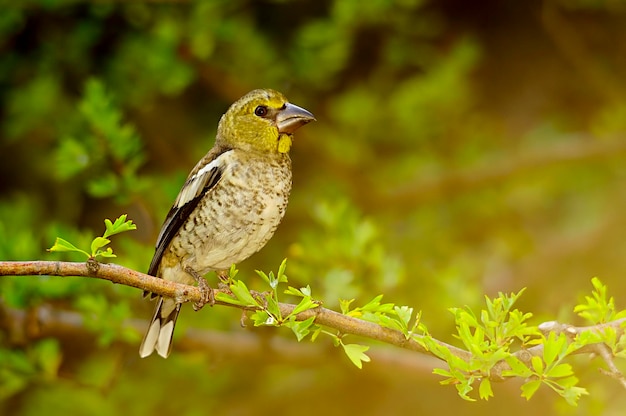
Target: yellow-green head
(262,120)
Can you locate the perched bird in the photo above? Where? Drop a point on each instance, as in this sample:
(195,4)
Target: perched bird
(230,204)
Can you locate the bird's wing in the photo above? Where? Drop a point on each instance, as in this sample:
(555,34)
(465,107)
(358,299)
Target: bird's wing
(206,174)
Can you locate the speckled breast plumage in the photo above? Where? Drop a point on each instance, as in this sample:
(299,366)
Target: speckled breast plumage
(239,216)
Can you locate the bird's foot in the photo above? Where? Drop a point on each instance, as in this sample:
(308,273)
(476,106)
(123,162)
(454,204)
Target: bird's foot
(206,291)
(208,296)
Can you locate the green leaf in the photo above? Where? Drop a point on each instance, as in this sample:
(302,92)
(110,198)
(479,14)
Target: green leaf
(530,388)
(265,277)
(386,321)
(241,292)
(262,318)
(306,290)
(568,382)
(282,277)
(232,272)
(356,353)
(241,295)
(272,307)
(553,347)
(589,337)
(464,388)
(108,253)
(560,370)
(301,328)
(404,313)
(119,226)
(61,245)
(223,297)
(442,372)
(305,304)
(484,390)
(98,243)
(273,281)
(316,332)
(373,304)
(537,364)
(344,305)
(518,368)
(599,307)
(302,292)
(573,394)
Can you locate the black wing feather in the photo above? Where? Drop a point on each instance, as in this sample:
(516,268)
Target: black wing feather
(179,213)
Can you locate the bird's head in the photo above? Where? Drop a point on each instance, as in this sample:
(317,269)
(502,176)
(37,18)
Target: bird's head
(262,120)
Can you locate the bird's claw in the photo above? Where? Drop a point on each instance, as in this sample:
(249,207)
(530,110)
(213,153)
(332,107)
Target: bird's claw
(207,295)
(206,291)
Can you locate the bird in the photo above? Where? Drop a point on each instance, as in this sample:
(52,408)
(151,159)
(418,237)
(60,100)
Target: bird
(230,204)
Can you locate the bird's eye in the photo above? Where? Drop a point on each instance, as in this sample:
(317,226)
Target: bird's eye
(260,111)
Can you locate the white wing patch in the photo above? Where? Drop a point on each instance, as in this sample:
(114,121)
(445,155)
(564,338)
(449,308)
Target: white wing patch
(196,183)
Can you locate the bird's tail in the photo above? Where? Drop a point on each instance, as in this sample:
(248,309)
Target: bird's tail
(161,330)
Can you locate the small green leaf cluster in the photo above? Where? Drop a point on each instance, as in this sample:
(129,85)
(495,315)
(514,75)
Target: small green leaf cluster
(267,311)
(97,245)
(488,338)
(100,314)
(266,308)
(501,333)
(549,369)
(102,148)
(386,315)
(598,309)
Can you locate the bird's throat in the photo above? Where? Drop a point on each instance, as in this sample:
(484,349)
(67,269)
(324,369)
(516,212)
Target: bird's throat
(284,143)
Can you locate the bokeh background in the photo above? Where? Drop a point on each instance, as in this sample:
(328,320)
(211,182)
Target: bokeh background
(461,149)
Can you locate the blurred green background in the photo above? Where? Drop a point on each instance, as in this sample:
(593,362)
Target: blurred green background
(461,149)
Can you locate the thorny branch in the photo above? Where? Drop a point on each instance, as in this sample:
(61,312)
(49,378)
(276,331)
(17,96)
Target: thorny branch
(323,316)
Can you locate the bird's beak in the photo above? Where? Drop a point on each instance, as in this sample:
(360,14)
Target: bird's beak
(290,118)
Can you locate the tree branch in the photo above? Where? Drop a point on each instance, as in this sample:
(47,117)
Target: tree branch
(342,323)
(186,293)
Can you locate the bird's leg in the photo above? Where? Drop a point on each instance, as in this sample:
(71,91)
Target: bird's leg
(205,290)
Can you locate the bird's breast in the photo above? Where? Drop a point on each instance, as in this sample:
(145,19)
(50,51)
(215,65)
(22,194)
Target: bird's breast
(238,216)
